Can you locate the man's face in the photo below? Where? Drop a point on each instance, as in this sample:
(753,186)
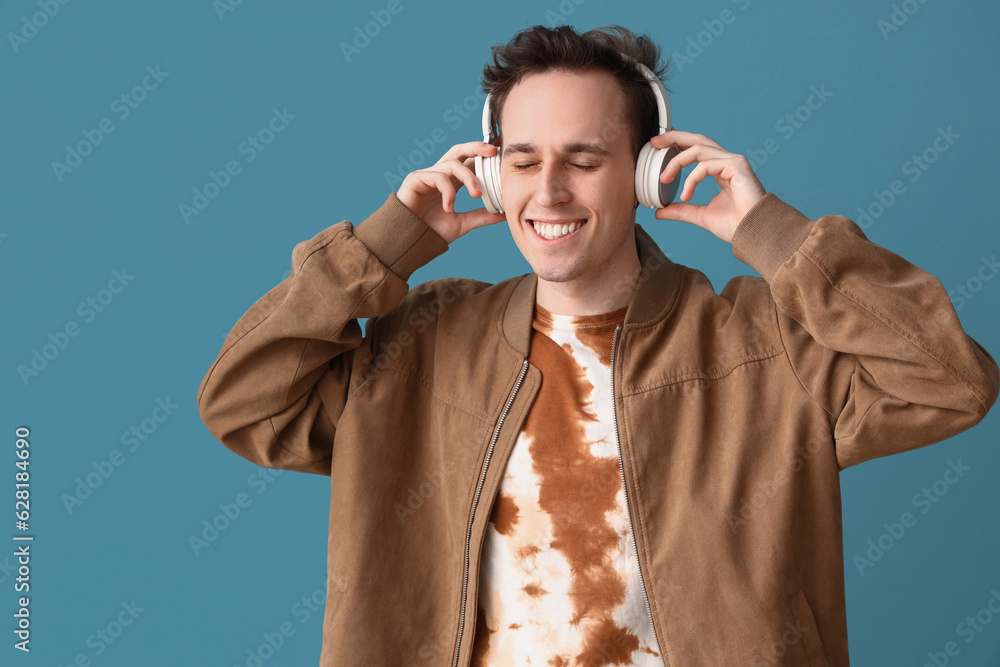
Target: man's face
(567,164)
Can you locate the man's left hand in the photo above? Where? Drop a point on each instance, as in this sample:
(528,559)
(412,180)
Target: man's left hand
(740,187)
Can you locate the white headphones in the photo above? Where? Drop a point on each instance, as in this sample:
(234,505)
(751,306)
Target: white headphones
(649,165)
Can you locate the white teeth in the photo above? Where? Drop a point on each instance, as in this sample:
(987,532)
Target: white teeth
(548,231)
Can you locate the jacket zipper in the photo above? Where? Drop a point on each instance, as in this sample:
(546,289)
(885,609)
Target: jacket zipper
(475,504)
(621,471)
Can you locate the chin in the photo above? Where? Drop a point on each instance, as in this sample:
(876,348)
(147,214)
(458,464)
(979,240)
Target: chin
(554,273)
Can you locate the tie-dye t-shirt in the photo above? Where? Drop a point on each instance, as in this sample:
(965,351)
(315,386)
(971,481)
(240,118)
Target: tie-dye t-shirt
(558,580)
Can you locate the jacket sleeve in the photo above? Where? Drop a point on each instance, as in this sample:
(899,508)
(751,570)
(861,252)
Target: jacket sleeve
(872,339)
(275,393)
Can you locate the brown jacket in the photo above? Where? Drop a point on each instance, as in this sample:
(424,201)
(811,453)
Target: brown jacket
(735,413)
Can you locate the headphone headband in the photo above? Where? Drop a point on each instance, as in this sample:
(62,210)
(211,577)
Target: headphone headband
(662,104)
(659,92)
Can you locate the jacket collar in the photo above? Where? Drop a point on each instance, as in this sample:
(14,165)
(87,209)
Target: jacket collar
(654,294)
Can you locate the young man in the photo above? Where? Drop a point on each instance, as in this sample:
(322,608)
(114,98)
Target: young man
(604,461)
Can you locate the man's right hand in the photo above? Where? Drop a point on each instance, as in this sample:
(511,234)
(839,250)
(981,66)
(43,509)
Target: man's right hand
(430,193)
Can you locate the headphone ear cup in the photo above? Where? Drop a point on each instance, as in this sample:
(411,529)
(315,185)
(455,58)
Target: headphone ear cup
(651,162)
(488,174)
(668,191)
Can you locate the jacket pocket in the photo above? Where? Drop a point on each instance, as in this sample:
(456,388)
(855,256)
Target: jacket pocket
(805,623)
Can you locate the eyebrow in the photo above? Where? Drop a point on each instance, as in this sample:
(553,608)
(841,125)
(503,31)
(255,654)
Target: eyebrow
(572,148)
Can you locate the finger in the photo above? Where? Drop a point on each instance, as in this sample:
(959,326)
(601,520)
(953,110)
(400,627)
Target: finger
(469,149)
(440,179)
(480,217)
(442,183)
(697,153)
(461,175)
(682,140)
(697,175)
(680,212)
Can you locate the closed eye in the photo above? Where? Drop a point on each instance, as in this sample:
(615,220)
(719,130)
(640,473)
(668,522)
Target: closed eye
(584,167)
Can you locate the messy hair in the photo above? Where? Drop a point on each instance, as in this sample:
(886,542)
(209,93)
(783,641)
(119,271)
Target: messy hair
(539,49)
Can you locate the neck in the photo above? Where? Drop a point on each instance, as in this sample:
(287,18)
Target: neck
(601,292)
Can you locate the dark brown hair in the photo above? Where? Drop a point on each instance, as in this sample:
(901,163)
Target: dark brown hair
(539,49)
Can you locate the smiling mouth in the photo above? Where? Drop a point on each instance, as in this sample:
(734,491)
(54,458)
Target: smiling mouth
(556,229)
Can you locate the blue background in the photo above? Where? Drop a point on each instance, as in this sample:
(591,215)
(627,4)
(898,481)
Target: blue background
(355,118)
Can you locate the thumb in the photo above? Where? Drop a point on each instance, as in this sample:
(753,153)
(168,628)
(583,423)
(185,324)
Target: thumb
(678,211)
(480,217)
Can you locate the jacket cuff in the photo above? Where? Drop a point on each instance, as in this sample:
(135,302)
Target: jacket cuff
(398,238)
(769,235)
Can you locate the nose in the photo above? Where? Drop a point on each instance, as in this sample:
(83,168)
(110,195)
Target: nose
(552,187)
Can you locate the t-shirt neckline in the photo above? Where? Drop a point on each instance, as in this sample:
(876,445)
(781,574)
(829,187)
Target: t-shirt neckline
(571,322)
